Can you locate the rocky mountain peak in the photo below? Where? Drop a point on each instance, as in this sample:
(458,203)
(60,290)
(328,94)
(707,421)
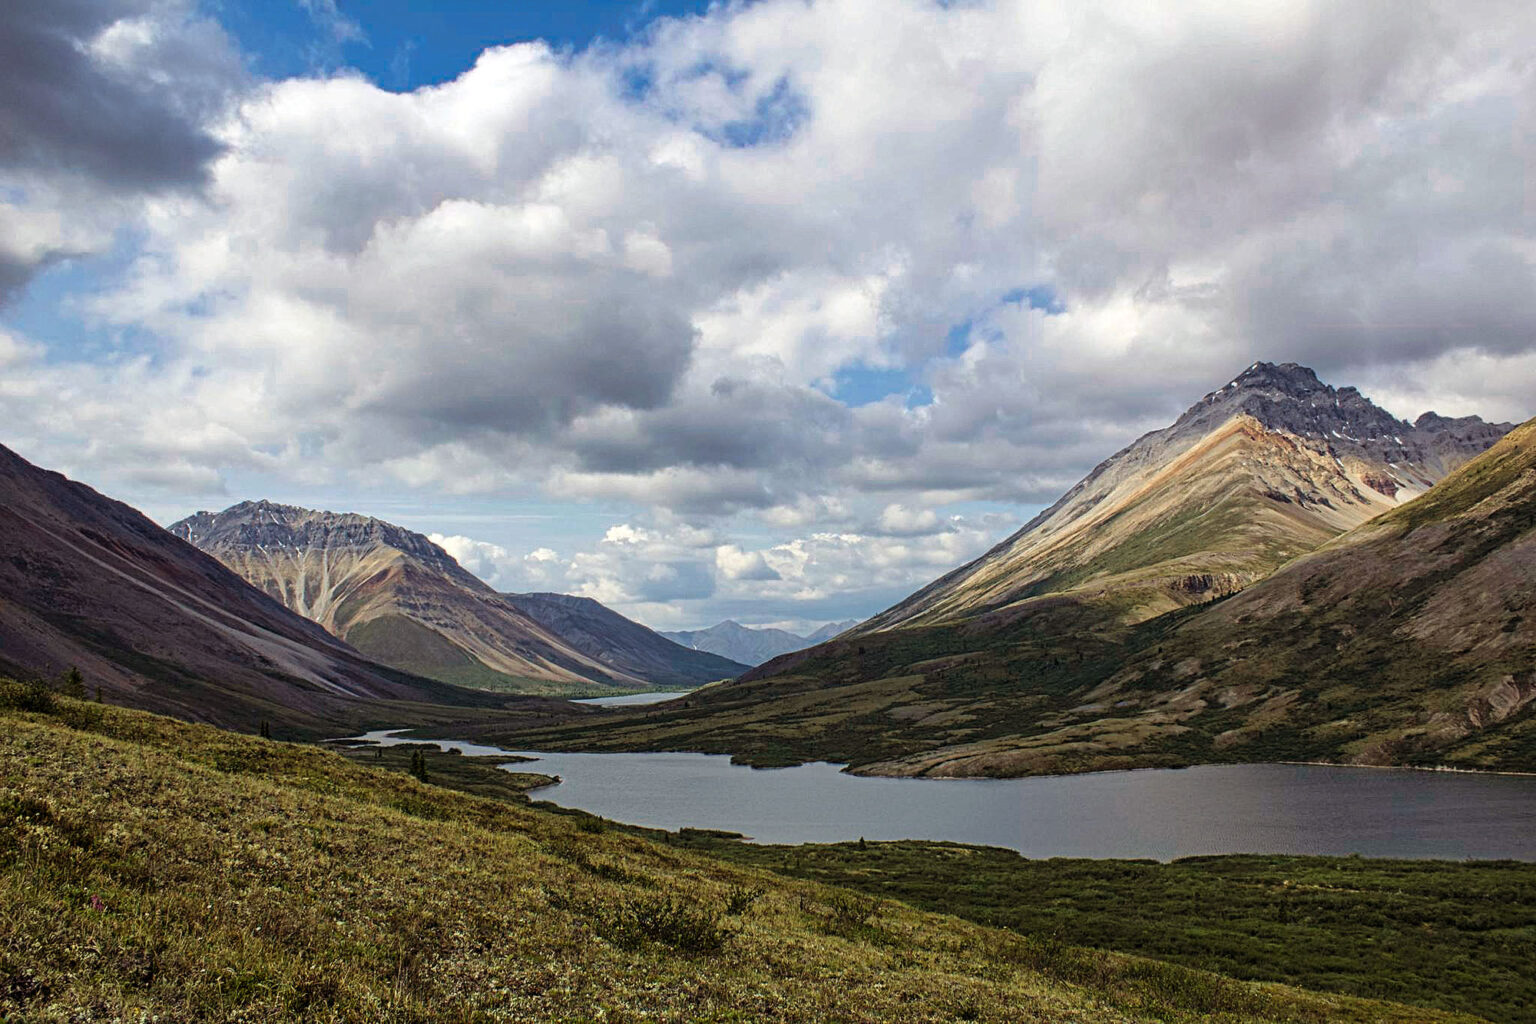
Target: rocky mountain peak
(1289,378)
(1275,446)
(1290,397)
(262,505)
(270,525)
(403,601)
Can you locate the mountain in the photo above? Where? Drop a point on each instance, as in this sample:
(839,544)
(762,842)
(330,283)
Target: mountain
(752,646)
(1141,621)
(623,644)
(1409,640)
(829,631)
(90,582)
(1264,469)
(403,601)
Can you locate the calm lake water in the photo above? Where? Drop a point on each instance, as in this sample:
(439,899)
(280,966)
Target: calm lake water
(627,700)
(1164,814)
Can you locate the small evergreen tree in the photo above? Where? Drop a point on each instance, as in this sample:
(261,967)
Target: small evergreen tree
(266,730)
(72,683)
(419,765)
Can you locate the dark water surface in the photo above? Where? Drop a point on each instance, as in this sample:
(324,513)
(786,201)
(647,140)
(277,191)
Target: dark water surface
(1265,808)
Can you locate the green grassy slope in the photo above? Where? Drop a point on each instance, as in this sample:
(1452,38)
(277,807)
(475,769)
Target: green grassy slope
(155,870)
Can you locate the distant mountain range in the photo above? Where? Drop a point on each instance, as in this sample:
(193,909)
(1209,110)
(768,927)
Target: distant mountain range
(613,640)
(751,645)
(403,601)
(86,581)
(1287,572)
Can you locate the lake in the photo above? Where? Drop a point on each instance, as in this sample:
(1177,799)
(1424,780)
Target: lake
(1162,813)
(629,700)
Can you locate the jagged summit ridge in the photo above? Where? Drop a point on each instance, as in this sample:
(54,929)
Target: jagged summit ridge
(1290,397)
(267,525)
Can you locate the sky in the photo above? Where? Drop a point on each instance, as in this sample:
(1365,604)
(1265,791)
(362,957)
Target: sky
(772,311)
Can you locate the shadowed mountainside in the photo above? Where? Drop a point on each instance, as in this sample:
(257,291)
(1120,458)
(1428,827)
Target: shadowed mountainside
(1409,640)
(90,582)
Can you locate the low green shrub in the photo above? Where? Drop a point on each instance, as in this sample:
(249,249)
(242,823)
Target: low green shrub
(739,899)
(633,923)
(34,695)
(850,911)
(844,913)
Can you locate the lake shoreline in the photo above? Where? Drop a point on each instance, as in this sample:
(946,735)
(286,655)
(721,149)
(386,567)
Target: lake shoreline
(858,772)
(1432,769)
(1165,814)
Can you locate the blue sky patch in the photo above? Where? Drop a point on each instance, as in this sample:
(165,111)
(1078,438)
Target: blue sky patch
(775,118)
(861,385)
(1041,296)
(403,44)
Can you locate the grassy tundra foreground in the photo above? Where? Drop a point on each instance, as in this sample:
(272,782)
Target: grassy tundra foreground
(151,869)
(1452,936)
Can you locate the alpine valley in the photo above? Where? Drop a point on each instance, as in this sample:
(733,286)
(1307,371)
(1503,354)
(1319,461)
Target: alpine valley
(1286,572)
(864,576)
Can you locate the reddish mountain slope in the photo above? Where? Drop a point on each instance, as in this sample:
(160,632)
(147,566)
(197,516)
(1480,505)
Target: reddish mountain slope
(90,582)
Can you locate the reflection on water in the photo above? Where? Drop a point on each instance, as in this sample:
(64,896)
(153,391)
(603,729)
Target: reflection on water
(1266,808)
